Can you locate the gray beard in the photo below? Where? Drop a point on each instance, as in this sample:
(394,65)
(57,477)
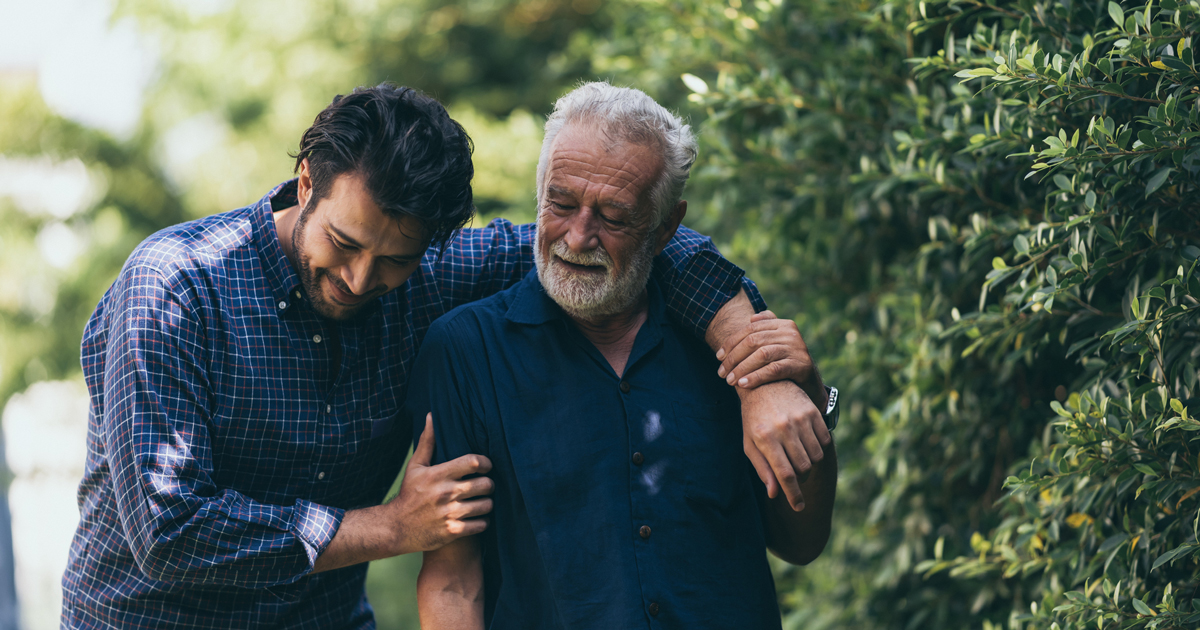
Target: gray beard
(592,296)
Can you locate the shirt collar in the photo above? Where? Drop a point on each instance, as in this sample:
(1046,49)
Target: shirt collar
(282,277)
(532,305)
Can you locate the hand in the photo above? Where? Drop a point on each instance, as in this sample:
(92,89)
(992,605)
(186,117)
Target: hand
(436,505)
(769,350)
(784,435)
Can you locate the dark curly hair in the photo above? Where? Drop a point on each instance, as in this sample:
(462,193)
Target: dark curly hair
(415,161)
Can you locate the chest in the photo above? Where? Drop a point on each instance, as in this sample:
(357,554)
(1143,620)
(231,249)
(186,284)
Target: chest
(306,408)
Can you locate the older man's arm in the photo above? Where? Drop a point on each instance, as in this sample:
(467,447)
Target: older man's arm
(799,537)
(450,587)
(783,432)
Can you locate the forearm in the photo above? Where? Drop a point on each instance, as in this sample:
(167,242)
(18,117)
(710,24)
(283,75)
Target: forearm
(450,588)
(728,326)
(799,537)
(363,536)
(230,540)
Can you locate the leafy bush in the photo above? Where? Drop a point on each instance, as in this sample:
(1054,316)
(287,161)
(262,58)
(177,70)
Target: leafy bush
(970,261)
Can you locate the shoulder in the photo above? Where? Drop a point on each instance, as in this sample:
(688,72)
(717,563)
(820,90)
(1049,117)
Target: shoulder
(194,246)
(472,323)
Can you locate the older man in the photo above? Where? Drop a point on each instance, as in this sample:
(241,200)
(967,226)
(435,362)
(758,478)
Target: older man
(622,495)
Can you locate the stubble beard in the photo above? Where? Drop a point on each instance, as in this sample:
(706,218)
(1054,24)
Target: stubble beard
(589,296)
(311,280)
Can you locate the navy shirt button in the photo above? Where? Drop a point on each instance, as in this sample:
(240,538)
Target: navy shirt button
(644,532)
(638,459)
(653,609)
(624,387)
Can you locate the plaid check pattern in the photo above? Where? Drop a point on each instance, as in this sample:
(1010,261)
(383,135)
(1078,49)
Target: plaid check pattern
(224,447)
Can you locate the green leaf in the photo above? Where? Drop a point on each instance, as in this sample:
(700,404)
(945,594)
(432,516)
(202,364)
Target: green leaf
(1177,405)
(1156,180)
(999,264)
(1117,14)
(1021,243)
(1062,182)
(1143,468)
(1141,607)
(1089,200)
(1058,409)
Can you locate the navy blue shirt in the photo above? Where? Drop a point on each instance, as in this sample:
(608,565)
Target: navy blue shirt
(620,502)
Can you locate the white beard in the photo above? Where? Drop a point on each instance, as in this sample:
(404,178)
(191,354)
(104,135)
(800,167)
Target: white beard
(588,296)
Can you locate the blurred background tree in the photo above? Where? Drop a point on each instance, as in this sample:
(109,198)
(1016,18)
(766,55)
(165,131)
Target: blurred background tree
(999,277)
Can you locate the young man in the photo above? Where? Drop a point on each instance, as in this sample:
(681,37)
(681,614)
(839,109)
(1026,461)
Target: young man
(247,370)
(622,498)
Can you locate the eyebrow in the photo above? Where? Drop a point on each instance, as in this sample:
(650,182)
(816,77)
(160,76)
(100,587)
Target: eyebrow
(618,205)
(350,241)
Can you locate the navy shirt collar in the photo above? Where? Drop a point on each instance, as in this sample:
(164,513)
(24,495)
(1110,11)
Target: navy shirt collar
(533,306)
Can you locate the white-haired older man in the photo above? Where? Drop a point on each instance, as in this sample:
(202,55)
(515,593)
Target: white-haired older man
(622,495)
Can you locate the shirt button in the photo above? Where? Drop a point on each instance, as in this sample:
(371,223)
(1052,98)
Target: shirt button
(624,387)
(653,609)
(638,459)
(317,338)
(644,532)
(297,294)
(328,408)
(320,475)
(282,305)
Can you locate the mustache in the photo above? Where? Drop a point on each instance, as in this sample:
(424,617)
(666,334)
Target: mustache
(596,257)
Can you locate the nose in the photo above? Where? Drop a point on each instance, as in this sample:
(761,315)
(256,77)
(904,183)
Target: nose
(583,231)
(359,275)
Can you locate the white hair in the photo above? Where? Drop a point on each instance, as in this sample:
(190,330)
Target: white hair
(629,115)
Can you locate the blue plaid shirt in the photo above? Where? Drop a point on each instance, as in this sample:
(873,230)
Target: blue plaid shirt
(224,446)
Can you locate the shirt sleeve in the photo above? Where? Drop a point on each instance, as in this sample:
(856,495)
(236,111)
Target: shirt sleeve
(444,383)
(180,524)
(697,280)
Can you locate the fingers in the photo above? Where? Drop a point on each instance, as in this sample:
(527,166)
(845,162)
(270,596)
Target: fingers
(470,488)
(783,469)
(424,451)
(758,317)
(761,467)
(763,342)
(471,509)
(466,465)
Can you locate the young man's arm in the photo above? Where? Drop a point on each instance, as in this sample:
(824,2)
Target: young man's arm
(182,526)
(435,506)
(450,587)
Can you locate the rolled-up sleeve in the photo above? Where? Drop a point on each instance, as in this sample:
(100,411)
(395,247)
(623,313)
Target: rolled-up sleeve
(180,525)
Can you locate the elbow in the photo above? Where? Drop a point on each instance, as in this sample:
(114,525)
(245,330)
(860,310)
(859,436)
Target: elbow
(158,560)
(803,552)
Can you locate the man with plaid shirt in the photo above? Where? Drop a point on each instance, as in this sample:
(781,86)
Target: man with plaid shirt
(247,372)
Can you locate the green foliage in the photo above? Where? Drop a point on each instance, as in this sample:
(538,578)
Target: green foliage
(956,281)
(982,215)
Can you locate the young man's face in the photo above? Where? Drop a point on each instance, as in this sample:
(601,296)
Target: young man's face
(348,252)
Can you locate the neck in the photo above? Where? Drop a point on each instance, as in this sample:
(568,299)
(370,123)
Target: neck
(285,224)
(613,335)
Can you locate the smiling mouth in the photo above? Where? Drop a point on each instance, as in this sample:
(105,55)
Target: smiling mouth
(345,298)
(581,268)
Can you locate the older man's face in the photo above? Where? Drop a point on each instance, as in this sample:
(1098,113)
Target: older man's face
(595,244)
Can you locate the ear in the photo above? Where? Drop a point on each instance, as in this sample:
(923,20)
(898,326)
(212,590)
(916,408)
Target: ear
(303,185)
(667,231)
